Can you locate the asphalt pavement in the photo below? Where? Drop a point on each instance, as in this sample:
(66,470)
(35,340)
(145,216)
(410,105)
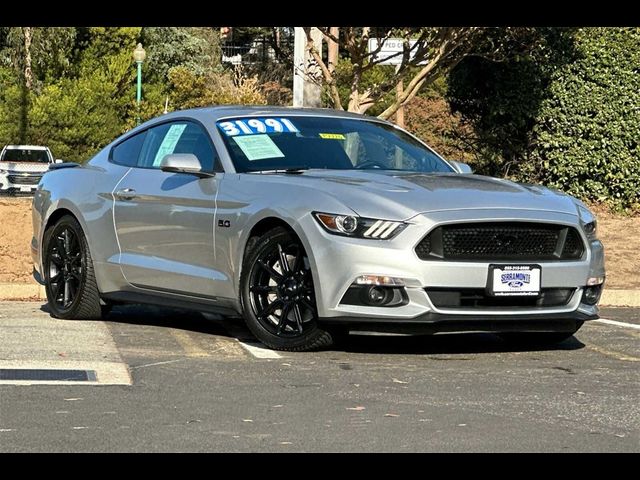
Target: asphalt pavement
(199,383)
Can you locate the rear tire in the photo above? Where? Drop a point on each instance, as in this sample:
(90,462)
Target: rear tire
(278,299)
(70,283)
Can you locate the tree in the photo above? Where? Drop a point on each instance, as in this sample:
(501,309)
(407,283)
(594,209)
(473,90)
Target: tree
(428,53)
(196,49)
(78,114)
(567,117)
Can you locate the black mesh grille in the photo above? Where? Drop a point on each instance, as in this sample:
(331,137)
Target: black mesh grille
(478,298)
(501,241)
(24,180)
(424,248)
(572,245)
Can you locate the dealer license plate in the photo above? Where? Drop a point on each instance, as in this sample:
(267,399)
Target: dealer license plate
(514,280)
(26,189)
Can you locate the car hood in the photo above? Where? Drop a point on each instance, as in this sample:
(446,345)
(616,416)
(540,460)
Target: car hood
(24,167)
(402,195)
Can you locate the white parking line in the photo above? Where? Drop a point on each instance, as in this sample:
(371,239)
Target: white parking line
(259,352)
(618,324)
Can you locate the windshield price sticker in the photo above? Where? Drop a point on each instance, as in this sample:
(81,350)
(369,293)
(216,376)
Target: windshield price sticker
(258,147)
(332,136)
(253,126)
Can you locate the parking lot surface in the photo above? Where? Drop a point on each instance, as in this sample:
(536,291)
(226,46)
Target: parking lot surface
(169,380)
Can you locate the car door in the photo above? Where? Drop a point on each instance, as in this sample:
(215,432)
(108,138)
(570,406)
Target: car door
(164,220)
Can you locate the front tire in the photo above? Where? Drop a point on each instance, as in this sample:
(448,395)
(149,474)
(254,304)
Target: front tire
(69,278)
(278,297)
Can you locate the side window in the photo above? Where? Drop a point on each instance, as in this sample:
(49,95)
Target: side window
(126,153)
(177,137)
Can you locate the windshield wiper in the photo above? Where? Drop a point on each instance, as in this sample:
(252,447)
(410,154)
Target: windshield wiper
(292,170)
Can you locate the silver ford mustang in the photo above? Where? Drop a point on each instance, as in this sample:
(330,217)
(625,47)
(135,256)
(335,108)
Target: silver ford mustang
(311,223)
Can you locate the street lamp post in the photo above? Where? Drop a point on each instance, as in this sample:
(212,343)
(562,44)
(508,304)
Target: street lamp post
(139,55)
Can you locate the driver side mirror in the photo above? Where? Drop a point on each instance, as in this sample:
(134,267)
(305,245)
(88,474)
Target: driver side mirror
(184,163)
(58,160)
(460,167)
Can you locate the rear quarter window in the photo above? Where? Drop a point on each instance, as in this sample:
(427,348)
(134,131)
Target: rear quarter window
(126,153)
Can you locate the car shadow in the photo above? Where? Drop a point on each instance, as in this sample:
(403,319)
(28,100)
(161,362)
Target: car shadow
(356,342)
(444,343)
(156,316)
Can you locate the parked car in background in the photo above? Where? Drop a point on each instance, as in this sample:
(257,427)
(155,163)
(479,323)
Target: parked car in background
(310,223)
(22,167)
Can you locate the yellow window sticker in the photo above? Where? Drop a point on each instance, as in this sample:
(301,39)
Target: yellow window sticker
(332,136)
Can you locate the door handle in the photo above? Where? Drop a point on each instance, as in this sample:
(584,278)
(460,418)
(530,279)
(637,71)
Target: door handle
(126,194)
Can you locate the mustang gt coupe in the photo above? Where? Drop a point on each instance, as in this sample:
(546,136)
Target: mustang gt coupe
(310,223)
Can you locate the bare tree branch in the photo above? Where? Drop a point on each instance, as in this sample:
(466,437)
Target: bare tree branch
(433,50)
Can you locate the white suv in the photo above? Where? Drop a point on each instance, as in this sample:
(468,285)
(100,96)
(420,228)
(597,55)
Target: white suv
(22,167)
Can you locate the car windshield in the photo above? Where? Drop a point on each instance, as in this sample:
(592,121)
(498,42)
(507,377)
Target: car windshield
(297,142)
(25,155)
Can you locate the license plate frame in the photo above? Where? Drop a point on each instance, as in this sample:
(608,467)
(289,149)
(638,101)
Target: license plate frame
(514,280)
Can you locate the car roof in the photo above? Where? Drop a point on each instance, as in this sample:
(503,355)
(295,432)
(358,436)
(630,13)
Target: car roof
(215,113)
(26,147)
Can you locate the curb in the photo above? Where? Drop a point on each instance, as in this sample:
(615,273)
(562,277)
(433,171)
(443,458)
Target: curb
(21,291)
(620,298)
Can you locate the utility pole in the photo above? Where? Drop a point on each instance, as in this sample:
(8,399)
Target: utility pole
(306,93)
(299,42)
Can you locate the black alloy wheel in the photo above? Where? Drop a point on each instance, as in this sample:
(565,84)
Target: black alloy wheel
(278,294)
(69,278)
(65,267)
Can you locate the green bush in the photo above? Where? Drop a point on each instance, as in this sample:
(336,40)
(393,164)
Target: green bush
(588,129)
(569,118)
(430,118)
(76,117)
(190,90)
(13,108)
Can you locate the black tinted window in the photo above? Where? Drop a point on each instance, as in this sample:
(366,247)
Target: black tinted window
(25,155)
(127,152)
(266,143)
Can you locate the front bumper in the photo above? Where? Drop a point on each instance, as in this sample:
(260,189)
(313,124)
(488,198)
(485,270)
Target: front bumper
(20,182)
(338,261)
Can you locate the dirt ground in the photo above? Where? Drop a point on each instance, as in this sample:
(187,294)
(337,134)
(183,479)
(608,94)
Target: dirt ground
(620,235)
(15,239)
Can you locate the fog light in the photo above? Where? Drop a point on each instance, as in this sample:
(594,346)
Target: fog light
(379,280)
(595,281)
(375,295)
(591,295)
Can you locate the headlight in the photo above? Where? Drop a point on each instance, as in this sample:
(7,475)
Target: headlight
(589,222)
(359,227)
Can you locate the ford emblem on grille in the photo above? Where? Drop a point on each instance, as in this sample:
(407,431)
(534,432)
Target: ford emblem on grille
(505,240)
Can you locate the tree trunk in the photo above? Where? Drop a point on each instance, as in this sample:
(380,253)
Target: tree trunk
(27,85)
(332,48)
(28,74)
